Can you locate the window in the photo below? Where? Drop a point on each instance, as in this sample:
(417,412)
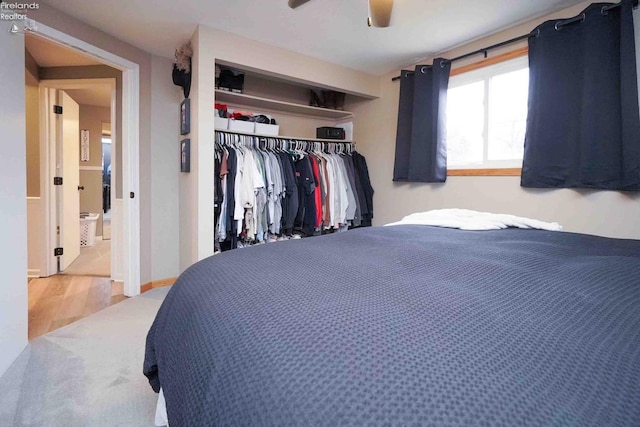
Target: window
(487,115)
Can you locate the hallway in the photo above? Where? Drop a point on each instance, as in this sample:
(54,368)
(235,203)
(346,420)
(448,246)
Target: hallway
(57,301)
(93,260)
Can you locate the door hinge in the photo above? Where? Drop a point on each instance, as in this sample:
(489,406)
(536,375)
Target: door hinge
(57,109)
(58,252)
(57,180)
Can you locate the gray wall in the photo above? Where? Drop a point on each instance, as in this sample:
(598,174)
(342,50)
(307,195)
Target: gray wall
(605,213)
(13,193)
(165,171)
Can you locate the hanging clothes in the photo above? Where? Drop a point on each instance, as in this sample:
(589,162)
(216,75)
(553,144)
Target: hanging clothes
(270,189)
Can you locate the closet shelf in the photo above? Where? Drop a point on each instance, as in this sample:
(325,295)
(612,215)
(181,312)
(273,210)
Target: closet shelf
(224,96)
(339,141)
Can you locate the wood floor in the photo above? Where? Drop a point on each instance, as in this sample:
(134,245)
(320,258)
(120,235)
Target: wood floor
(59,300)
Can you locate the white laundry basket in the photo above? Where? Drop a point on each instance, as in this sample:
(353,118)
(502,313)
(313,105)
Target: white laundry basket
(88,224)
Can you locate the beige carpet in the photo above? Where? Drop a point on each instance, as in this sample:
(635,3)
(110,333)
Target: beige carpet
(88,373)
(93,260)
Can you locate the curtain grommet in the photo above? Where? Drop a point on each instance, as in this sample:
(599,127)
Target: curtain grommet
(422,70)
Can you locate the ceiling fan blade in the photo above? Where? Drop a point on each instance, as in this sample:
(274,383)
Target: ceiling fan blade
(380,12)
(295,3)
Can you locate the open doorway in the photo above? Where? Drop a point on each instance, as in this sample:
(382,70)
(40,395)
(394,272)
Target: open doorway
(70,262)
(93,99)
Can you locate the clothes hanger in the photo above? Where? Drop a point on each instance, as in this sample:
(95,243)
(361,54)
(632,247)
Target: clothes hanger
(300,150)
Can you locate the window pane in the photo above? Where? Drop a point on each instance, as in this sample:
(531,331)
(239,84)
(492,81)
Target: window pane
(465,124)
(508,95)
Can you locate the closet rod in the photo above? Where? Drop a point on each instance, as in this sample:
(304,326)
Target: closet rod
(292,138)
(558,26)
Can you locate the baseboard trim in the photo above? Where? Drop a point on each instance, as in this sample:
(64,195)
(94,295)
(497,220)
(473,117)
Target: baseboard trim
(33,274)
(157,284)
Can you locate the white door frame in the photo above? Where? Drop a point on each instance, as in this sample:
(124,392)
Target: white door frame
(130,148)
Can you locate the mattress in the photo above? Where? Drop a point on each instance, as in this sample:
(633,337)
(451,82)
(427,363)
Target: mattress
(405,325)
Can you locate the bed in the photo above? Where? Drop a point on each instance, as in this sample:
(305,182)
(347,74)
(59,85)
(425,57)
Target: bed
(405,325)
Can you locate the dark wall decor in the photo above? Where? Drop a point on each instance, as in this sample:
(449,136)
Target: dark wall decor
(185,117)
(185,155)
(181,74)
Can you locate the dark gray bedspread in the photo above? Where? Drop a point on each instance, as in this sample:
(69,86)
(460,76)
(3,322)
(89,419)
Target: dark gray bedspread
(406,325)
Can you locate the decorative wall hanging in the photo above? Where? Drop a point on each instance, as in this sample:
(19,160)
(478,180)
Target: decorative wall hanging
(84,145)
(182,68)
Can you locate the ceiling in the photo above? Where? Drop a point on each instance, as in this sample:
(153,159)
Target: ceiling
(48,54)
(332,30)
(98,95)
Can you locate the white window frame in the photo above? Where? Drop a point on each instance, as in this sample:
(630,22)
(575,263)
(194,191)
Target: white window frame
(484,74)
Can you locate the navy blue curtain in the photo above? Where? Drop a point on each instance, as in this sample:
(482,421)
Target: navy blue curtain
(421,148)
(583,125)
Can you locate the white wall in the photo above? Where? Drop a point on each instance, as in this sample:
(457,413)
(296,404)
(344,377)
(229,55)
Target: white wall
(165,172)
(606,213)
(13,199)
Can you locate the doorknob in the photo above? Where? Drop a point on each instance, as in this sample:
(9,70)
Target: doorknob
(80,188)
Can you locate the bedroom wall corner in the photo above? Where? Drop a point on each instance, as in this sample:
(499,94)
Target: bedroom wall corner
(13,215)
(582,211)
(165,172)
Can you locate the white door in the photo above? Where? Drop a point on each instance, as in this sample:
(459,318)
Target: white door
(68,156)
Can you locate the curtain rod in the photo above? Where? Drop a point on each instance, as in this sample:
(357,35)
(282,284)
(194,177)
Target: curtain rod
(558,25)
